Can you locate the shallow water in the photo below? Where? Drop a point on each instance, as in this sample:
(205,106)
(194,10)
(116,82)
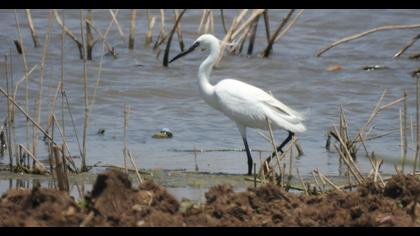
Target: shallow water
(168,97)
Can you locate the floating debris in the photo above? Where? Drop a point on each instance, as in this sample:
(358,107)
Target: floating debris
(334,68)
(164,133)
(374,67)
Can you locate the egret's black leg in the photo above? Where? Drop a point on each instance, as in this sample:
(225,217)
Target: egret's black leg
(280,147)
(248,154)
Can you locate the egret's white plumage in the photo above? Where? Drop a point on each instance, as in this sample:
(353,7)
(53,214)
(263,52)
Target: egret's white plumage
(246,105)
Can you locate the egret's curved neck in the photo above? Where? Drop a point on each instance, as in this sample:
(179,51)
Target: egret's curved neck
(206,89)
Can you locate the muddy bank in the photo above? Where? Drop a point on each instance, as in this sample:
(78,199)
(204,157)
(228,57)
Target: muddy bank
(114,202)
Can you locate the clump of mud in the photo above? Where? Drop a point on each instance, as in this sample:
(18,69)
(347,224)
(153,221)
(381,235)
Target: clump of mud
(38,207)
(114,202)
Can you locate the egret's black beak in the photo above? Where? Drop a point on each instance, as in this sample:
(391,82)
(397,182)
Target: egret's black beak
(185,52)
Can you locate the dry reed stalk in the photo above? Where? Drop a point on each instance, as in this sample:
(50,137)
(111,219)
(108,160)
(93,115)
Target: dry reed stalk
(89,37)
(162,33)
(12,111)
(202,21)
(98,79)
(416,157)
(135,167)
(228,35)
(52,106)
(404,124)
(132,34)
(346,156)
(83,167)
(273,142)
(88,219)
(255,175)
(69,33)
(252,35)
(359,35)
(301,181)
(41,82)
(168,45)
(316,182)
(222,16)
(39,164)
(110,49)
(267,50)
(62,82)
(114,18)
(150,25)
(125,148)
(32,28)
(408,45)
(179,32)
(25,64)
(8,118)
(60,170)
(73,167)
(73,124)
(255,14)
(267,25)
(324,178)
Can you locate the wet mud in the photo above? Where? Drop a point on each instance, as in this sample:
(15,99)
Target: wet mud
(113,201)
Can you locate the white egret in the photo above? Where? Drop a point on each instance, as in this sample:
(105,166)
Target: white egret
(246,105)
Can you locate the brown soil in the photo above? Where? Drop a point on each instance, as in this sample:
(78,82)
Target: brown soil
(113,202)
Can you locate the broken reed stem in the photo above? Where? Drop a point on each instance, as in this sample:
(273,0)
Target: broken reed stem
(110,49)
(40,164)
(324,178)
(41,83)
(228,35)
(301,181)
(89,36)
(179,32)
(348,159)
(132,34)
(65,144)
(408,45)
(162,34)
(31,28)
(125,148)
(168,45)
(60,170)
(26,115)
(69,33)
(252,35)
(267,50)
(114,18)
(267,25)
(150,25)
(273,142)
(83,167)
(135,167)
(359,35)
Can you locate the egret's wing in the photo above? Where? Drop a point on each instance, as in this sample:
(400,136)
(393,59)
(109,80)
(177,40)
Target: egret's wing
(240,93)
